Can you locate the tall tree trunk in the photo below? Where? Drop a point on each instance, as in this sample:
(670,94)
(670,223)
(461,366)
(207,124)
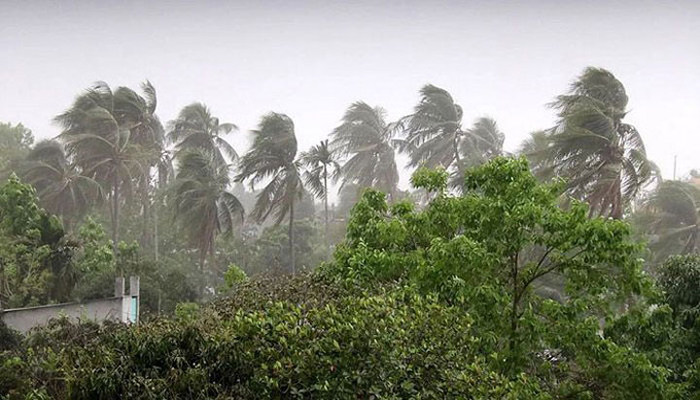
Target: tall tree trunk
(202,258)
(291,238)
(325,205)
(155,230)
(146,206)
(115,218)
(456,144)
(617,206)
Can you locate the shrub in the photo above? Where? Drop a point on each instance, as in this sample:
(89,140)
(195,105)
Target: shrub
(394,346)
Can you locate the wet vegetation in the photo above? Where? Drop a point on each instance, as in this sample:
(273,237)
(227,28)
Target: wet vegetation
(566,270)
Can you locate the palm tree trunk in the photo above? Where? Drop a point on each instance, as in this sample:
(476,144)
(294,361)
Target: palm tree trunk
(456,143)
(155,230)
(115,218)
(325,206)
(617,207)
(146,205)
(291,238)
(202,258)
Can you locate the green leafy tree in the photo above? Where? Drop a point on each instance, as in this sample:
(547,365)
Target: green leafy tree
(234,276)
(35,260)
(272,158)
(364,141)
(320,165)
(62,189)
(602,158)
(492,248)
(202,203)
(666,328)
(15,142)
(195,128)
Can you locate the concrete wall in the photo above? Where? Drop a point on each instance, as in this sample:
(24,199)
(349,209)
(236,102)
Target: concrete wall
(23,319)
(122,308)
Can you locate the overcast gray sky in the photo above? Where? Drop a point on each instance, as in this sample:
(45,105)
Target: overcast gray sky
(311,59)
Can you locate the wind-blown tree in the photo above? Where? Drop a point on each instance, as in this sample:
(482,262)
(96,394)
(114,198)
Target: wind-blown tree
(196,129)
(535,149)
(60,186)
(433,133)
(97,133)
(201,200)
(601,157)
(485,141)
(320,164)
(480,143)
(434,137)
(364,140)
(137,113)
(15,142)
(671,217)
(272,159)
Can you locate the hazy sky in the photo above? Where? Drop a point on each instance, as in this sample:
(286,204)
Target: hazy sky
(310,60)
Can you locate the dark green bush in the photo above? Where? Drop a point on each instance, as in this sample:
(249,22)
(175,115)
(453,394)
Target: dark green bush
(395,346)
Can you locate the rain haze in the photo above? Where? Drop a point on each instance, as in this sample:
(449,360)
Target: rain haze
(342,200)
(311,60)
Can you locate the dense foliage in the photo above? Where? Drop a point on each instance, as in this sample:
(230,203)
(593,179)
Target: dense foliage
(35,256)
(494,277)
(451,301)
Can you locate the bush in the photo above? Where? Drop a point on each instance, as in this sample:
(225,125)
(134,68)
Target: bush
(234,276)
(395,346)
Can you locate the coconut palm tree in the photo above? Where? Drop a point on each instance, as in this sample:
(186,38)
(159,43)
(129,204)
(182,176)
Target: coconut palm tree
(671,218)
(602,158)
(320,165)
(433,132)
(136,113)
(196,129)
(272,159)
(201,200)
(97,134)
(535,149)
(62,189)
(479,144)
(364,140)
(434,136)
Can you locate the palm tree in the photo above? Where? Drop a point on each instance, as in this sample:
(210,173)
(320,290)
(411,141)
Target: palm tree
(318,160)
(364,139)
(137,114)
(195,128)
(272,158)
(433,133)
(434,137)
(602,158)
(535,149)
(671,217)
(201,201)
(479,144)
(98,138)
(61,188)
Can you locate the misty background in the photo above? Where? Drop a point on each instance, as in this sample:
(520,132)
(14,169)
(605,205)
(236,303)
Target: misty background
(312,59)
